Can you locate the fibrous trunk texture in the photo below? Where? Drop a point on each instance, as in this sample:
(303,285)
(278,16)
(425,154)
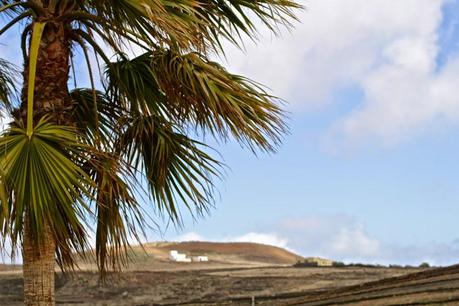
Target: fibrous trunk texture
(51,82)
(51,98)
(38,267)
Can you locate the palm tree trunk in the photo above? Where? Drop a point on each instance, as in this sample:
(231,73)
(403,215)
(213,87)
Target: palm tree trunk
(38,268)
(51,98)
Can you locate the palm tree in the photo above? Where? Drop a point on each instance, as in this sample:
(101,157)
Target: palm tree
(75,159)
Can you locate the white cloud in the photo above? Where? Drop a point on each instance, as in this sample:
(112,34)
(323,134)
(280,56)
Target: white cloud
(263,238)
(342,237)
(387,49)
(354,241)
(338,236)
(191,236)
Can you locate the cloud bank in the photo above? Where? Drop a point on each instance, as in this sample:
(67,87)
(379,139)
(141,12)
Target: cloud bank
(387,51)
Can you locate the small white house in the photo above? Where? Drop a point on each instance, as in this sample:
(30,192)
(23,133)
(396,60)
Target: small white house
(178,257)
(200,258)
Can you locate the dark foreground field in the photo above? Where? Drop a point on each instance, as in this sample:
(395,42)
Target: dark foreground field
(242,274)
(433,287)
(236,286)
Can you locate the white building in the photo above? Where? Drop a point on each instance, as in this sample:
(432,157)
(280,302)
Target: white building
(178,257)
(200,258)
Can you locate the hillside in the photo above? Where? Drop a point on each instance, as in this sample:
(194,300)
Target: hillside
(155,256)
(250,252)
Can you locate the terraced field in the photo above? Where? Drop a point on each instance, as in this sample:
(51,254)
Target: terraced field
(432,287)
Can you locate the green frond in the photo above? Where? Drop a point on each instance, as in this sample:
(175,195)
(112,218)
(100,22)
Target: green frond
(8,76)
(45,182)
(38,28)
(11,8)
(132,83)
(231,19)
(118,215)
(103,123)
(177,169)
(192,90)
(4,206)
(188,24)
(202,91)
(149,21)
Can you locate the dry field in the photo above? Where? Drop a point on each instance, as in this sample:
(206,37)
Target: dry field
(239,272)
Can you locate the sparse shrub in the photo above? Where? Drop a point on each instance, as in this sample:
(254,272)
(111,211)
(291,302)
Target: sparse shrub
(339,264)
(306,264)
(395,266)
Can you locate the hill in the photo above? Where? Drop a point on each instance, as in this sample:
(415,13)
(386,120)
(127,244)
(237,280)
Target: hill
(249,252)
(155,256)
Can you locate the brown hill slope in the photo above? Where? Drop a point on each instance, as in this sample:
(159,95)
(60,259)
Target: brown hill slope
(251,252)
(155,256)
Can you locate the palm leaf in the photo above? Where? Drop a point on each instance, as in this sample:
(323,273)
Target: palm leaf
(194,90)
(45,182)
(177,169)
(34,47)
(188,24)
(8,76)
(118,215)
(103,123)
(132,84)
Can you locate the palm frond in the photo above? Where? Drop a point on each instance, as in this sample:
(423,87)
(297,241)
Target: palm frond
(45,182)
(231,19)
(191,89)
(177,169)
(148,21)
(8,76)
(133,85)
(37,33)
(11,8)
(118,214)
(4,206)
(188,24)
(103,123)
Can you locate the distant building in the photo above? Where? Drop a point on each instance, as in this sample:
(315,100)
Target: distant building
(178,257)
(321,262)
(200,258)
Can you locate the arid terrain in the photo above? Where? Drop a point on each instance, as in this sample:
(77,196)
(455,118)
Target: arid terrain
(238,274)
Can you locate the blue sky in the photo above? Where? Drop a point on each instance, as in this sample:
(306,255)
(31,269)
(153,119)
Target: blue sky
(370,171)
